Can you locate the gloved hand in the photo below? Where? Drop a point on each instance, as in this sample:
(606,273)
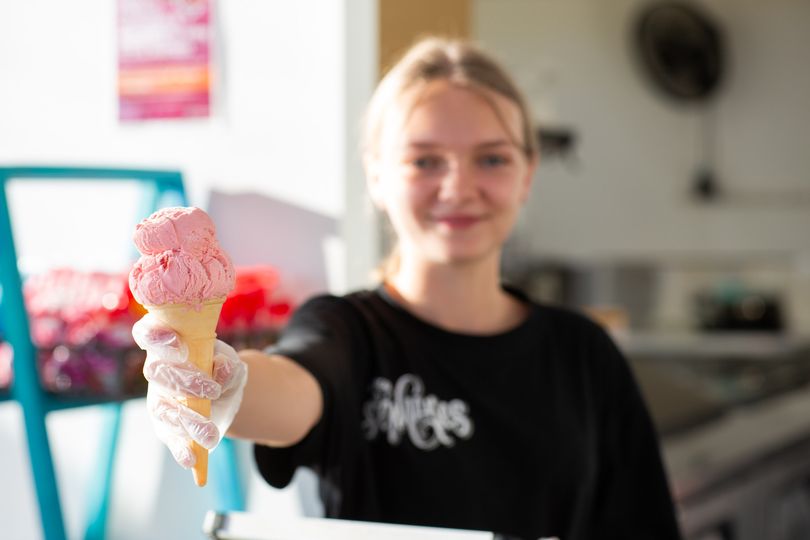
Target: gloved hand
(172,375)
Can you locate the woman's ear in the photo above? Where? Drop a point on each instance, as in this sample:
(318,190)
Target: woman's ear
(371,165)
(528,179)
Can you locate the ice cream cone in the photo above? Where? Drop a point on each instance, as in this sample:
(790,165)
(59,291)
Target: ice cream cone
(197,329)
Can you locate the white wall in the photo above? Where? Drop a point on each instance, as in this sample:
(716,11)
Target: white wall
(629,194)
(278,123)
(292,76)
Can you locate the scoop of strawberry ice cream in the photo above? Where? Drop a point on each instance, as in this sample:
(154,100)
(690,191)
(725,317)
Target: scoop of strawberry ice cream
(186,228)
(181,261)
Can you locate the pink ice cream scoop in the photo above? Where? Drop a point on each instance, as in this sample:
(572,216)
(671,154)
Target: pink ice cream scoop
(181,261)
(177,228)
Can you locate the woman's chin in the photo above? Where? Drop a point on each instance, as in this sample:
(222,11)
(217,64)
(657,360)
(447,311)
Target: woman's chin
(465,255)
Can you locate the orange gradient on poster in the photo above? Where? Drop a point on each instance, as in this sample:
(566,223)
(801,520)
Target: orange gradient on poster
(143,81)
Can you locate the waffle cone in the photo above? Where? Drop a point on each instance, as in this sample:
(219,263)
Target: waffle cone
(197,329)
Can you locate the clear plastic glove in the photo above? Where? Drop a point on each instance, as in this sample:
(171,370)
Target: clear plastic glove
(172,375)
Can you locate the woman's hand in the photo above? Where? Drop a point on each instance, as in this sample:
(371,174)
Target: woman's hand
(172,375)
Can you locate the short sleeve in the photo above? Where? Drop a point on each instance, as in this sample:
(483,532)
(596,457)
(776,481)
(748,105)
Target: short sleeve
(633,498)
(323,336)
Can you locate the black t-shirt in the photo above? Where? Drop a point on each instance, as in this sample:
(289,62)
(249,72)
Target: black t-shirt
(537,431)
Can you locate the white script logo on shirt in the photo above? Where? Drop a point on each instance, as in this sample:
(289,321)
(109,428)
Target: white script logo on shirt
(402,408)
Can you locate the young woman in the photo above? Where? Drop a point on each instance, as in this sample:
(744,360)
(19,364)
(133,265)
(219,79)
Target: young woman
(441,397)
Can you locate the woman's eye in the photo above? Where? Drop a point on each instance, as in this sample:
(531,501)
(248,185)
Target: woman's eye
(493,160)
(426,162)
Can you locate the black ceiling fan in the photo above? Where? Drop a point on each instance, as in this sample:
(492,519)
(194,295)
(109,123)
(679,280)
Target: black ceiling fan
(681,49)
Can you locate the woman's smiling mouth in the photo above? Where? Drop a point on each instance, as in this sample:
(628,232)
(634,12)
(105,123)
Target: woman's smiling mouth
(458,221)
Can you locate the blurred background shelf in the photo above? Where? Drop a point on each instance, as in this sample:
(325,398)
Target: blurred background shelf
(764,346)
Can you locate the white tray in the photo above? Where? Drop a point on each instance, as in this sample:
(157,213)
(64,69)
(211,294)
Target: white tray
(245,526)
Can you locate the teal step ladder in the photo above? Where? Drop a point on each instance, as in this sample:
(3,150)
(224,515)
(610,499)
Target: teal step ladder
(160,188)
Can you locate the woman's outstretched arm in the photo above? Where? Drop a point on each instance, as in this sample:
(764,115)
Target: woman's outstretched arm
(282,401)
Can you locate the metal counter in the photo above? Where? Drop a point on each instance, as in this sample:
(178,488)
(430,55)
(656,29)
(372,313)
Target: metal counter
(733,411)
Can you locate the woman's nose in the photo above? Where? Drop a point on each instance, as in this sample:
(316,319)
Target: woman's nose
(458,183)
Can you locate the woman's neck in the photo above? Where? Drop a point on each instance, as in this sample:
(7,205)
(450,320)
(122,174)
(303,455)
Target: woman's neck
(465,298)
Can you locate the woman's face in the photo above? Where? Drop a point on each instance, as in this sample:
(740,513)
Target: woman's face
(451,175)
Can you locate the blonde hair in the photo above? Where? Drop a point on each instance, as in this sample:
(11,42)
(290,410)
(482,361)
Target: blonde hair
(432,59)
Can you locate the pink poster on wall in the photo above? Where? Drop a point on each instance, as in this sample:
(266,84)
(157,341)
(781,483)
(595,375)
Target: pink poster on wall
(164,59)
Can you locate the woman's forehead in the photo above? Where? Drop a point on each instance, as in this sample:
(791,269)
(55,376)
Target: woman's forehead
(448,113)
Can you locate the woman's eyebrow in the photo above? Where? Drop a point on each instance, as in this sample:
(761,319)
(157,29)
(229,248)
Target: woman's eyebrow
(497,142)
(485,144)
(420,144)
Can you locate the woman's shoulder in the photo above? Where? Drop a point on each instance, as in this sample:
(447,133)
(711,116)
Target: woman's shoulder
(567,317)
(569,324)
(557,316)
(339,305)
